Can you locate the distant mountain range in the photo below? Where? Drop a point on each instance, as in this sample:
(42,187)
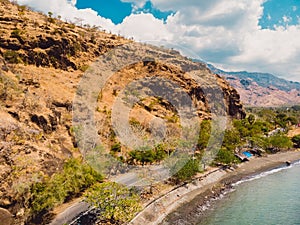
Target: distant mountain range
(261,89)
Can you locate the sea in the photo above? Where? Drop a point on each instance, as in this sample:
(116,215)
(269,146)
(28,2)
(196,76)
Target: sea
(269,198)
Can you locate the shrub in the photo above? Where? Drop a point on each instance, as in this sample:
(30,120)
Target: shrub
(116,147)
(22,8)
(16,33)
(296,141)
(12,57)
(84,67)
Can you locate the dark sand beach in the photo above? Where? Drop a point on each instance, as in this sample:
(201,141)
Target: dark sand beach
(181,203)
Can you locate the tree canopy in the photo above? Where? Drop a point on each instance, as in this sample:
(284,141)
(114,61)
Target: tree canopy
(116,202)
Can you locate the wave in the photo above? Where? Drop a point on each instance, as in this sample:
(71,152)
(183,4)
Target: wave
(266,173)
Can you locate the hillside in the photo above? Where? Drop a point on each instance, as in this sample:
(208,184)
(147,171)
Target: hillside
(262,89)
(42,61)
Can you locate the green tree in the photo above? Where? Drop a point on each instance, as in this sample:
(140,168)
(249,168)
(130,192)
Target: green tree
(281,120)
(205,130)
(251,119)
(280,141)
(148,155)
(116,202)
(292,120)
(231,139)
(258,142)
(296,141)
(185,172)
(226,156)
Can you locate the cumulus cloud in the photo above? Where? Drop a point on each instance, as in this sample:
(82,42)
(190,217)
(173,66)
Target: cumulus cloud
(143,27)
(223,32)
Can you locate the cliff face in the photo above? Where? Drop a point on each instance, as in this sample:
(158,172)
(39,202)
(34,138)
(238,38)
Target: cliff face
(42,61)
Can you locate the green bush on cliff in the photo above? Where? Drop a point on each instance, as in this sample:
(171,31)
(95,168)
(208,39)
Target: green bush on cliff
(74,178)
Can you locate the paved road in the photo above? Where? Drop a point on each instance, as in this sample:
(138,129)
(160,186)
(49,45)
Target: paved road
(70,213)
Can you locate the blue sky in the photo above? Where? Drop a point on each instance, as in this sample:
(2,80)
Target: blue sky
(117,10)
(275,12)
(252,35)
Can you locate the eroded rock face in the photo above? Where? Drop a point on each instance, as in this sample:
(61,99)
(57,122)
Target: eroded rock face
(235,107)
(6,218)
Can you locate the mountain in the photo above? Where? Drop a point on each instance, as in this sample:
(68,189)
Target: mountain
(42,62)
(262,89)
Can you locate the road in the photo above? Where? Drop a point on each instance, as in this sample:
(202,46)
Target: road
(71,213)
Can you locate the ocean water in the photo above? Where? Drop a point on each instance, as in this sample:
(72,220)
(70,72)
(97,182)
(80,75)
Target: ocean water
(271,198)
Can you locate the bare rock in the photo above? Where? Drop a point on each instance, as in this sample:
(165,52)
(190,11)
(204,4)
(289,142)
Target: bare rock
(5,217)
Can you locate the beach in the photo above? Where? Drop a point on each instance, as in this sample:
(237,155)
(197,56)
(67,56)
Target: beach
(181,202)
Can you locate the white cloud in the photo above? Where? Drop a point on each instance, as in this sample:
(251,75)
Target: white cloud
(286,19)
(137,3)
(275,50)
(144,26)
(223,32)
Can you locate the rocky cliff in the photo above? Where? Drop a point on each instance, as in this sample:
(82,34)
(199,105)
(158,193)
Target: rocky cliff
(42,60)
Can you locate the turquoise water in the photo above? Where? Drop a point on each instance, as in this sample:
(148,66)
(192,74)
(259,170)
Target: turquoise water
(271,198)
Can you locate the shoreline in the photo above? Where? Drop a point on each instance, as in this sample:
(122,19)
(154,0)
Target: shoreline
(184,201)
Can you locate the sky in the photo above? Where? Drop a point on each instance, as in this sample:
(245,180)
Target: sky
(234,35)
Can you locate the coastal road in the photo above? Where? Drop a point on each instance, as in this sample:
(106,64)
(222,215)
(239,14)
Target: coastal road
(71,213)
